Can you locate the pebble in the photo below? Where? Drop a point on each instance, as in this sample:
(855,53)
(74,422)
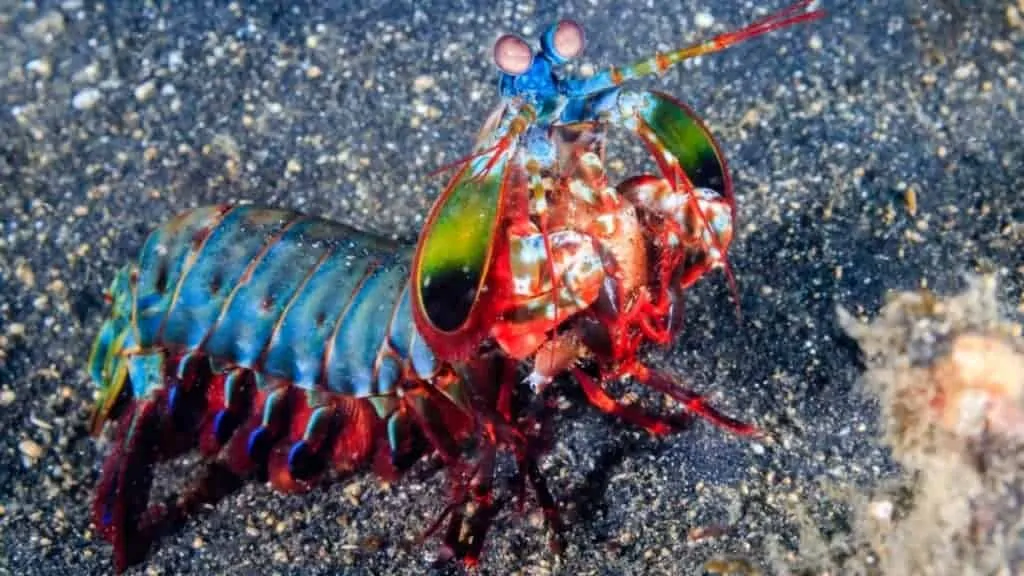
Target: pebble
(422,83)
(40,67)
(47,27)
(31,450)
(352,492)
(963,72)
(175,60)
(86,99)
(145,91)
(23,272)
(1013,17)
(704,20)
(87,75)
(1001,46)
(910,201)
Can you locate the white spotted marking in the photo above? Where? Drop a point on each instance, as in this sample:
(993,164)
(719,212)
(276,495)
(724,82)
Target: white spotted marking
(581,191)
(521,285)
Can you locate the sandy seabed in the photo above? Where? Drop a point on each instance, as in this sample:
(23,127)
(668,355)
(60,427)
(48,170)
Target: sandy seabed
(877,151)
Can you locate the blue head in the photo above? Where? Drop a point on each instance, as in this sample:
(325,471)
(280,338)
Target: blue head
(532,76)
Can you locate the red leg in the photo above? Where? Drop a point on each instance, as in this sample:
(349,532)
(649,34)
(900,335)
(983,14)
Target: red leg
(690,400)
(547,504)
(360,428)
(299,458)
(599,397)
(251,445)
(486,509)
(229,399)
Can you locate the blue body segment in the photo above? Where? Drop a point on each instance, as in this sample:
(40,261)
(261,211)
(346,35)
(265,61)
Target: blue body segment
(163,259)
(297,349)
(407,341)
(247,321)
(424,361)
(292,297)
(403,330)
(362,330)
(219,266)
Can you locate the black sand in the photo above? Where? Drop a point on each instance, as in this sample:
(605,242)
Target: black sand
(115,116)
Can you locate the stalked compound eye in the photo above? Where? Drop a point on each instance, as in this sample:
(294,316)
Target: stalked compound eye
(565,40)
(512,55)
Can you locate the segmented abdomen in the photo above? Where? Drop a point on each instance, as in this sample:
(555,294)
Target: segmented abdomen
(284,294)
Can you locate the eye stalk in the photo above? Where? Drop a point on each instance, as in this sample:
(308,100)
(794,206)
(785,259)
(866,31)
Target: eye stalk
(562,42)
(512,55)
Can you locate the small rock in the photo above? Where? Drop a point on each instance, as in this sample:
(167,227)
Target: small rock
(47,27)
(86,99)
(175,60)
(1013,18)
(963,72)
(704,20)
(40,67)
(23,272)
(31,450)
(88,75)
(1002,46)
(910,201)
(145,91)
(422,83)
(352,493)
